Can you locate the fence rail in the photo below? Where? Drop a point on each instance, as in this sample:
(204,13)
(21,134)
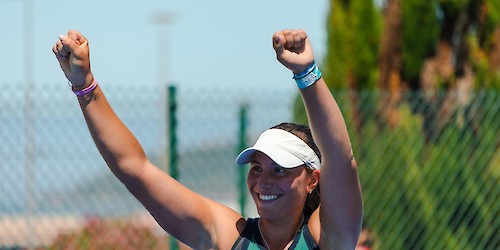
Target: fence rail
(429,165)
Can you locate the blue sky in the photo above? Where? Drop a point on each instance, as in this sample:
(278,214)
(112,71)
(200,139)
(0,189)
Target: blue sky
(218,42)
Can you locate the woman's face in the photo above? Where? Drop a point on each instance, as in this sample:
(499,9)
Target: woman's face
(277,191)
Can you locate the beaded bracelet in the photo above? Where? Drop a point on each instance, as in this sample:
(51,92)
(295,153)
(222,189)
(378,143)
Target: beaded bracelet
(307,78)
(86,90)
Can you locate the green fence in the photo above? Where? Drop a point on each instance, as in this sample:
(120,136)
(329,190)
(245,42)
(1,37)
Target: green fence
(430,169)
(429,165)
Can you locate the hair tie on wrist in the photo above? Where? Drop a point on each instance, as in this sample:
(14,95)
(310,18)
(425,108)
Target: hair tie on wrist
(86,90)
(307,78)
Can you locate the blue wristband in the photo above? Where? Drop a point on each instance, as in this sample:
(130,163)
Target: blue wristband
(307,71)
(308,77)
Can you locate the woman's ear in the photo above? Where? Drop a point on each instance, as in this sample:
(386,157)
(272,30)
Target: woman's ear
(313,181)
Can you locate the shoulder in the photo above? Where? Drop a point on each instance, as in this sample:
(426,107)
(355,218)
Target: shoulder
(229,230)
(314,225)
(249,238)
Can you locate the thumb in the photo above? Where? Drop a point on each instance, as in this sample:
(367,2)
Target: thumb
(278,44)
(69,45)
(62,56)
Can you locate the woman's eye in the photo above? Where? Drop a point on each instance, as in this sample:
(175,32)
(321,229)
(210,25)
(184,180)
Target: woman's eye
(279,170)
(256,169)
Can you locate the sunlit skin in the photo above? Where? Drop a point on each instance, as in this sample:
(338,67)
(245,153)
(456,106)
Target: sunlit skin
(202,223)
(285,188)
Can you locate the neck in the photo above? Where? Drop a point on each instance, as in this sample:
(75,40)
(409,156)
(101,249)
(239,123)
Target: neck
(279,235)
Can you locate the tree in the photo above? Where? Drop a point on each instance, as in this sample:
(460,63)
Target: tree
(427,140)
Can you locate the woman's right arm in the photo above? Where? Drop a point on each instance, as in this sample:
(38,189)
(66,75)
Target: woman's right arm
(186,215)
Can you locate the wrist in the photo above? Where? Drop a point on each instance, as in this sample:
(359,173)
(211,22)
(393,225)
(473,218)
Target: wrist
(86,90)
(77,85)
(308,77)
(301,69)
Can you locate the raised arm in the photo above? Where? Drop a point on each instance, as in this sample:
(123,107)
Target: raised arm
(341,209)
(186,215)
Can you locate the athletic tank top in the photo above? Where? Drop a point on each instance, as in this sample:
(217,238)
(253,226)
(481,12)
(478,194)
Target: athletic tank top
(251,239)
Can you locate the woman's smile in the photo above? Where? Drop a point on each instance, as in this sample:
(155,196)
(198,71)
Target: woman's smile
(268,197)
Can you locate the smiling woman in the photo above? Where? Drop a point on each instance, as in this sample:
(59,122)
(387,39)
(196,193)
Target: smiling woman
(283,181)
(286,166)
(278,193)
(290,147)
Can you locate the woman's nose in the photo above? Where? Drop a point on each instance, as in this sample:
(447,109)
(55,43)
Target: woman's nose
(264,181)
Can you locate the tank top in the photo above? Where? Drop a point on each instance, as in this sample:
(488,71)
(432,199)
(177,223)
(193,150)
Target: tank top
(251,238)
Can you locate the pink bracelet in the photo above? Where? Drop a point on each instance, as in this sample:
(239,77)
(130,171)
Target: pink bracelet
(86,90)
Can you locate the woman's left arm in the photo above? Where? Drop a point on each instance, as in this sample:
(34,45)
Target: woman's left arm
(341,209)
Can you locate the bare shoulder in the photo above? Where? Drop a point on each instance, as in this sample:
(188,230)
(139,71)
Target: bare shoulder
(229,224)
(314,225)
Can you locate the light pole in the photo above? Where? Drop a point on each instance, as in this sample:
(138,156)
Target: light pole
(28,128)
(163,19)
(29,139)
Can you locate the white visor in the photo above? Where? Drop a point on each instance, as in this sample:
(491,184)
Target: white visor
(284,148)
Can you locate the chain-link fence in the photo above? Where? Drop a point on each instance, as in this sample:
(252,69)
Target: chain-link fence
(429,167)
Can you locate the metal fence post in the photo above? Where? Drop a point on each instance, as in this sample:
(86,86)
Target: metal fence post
(243,121)
(172,142)
(172,132)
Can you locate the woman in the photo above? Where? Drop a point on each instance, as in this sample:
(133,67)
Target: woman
(283,178)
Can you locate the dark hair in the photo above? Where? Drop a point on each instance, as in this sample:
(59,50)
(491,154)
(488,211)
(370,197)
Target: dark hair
(304,133)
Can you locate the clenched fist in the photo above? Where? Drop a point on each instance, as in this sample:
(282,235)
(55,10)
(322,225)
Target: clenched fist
(293,50)
(72,52)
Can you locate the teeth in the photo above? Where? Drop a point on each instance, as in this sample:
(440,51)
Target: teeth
(267,197)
